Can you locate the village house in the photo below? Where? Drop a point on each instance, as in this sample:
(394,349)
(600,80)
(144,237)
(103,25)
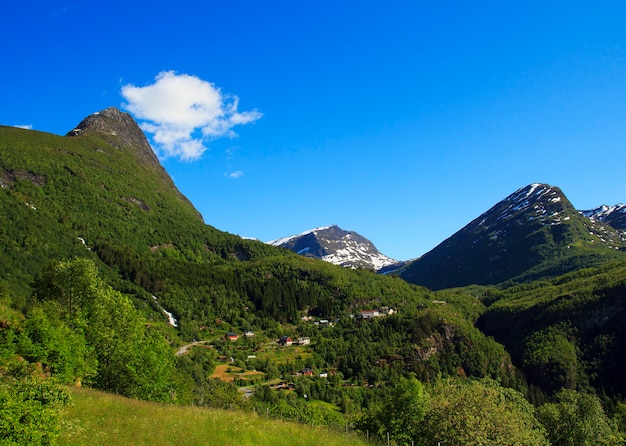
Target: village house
(304,341)
(230,336)
(367,314)
(382,311)
(248,334)
(285,340)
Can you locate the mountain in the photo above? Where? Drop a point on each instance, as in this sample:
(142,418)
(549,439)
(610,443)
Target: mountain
(99,195)
(98,192)
(534,232)
(612,215)
(122,132)
(119,130)
(565,330)
(337,246)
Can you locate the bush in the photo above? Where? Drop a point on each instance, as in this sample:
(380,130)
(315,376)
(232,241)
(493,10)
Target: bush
(30,412)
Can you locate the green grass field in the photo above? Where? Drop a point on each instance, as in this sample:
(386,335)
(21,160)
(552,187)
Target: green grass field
(98,418)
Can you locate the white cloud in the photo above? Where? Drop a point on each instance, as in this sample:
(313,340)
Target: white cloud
(24,126)
(183,112)
(234,175)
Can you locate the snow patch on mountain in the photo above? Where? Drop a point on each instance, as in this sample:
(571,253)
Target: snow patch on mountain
(335,245)
(604,212)
(613,216)
(531,198)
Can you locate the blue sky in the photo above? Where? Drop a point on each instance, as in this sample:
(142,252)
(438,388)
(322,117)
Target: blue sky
(402,121)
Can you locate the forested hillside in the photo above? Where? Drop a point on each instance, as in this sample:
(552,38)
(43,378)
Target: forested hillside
(566,332)
(97,244)
(532,234)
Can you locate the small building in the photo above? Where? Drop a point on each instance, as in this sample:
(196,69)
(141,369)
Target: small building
(307,372)
(231,336)
(285,340)
(367,314)
(304,341)
(324,375)
(248,334)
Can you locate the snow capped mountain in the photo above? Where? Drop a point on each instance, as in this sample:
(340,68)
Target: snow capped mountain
(612,215)
(537,205)
(335,245)
(534,231)
(537,200)
(548,205)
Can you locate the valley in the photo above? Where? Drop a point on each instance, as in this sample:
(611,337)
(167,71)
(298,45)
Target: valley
(521,311)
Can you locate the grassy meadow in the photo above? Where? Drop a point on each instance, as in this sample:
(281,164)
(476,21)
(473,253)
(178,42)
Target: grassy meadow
(98,418)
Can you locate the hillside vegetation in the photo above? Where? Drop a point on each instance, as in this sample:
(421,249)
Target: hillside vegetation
(532,234)
(96,245)
(567,331)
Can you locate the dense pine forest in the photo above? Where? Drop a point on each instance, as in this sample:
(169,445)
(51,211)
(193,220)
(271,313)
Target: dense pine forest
(98,246)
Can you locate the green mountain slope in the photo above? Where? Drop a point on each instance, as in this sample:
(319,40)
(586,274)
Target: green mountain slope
(63,195)
(99,193)
(533,233)
(95,240)
(567,331)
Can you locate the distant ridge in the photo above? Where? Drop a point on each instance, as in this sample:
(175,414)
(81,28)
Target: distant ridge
(612,215)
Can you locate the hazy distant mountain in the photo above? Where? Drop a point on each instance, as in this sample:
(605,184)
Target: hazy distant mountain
(534,232)
(335,245)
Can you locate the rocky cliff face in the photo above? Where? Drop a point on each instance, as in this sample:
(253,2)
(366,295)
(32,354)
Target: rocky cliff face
(120,130)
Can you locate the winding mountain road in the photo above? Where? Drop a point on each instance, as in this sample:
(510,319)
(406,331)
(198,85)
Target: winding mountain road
(185,348)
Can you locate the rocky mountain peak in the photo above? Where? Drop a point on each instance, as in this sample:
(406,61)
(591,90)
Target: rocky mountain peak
(121,131)
(535,205)
(542,201)
(118,129)
(337,246)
